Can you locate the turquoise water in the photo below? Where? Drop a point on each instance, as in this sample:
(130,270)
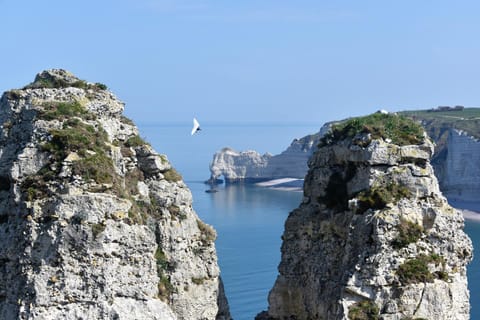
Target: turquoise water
(249,227)
(249,220)
(472,228)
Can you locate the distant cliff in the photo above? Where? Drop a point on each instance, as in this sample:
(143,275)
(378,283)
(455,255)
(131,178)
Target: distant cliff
(250,166)
(456,160)
(457,150)
(94,224)
(374,238)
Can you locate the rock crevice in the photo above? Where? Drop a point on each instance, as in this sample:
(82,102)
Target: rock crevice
(93,222)
(374,237)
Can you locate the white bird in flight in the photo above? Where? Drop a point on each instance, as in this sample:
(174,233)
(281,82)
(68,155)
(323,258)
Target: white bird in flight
(196,126)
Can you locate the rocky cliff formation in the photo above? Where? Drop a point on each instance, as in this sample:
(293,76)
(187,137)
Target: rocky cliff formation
(455,160)
(459,171)
(94,224)
(457,150)
(250,166)
(239,166)
(373,238)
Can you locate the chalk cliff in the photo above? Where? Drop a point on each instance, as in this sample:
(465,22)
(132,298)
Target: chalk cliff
(250,166)
(456,160)
(458,166)
(94,224)
(239,166)
(374,238)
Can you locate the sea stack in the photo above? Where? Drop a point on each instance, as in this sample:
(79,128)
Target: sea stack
(373,238)
(251,167)
(94,224)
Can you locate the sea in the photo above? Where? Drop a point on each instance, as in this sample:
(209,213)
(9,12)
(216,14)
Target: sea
(250,220)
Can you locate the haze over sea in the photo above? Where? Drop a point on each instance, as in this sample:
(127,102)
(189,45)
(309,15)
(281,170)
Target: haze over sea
(249,220)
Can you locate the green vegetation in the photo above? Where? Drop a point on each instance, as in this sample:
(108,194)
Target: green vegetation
(176,212)
(127,120)
(435,122)
(75,136)
(161,259)
(141,210)
(165,287)
(54,82)
(100,86)
(208,233)
(138,214)
(198,281)
(58,83)
(172,175)
(408,232)
(64,110)
(364,310)
(13,94)
(98,228)
(131,182)
(36,186)
(88,150)
(400,129)
(89,144)
(97,167)
(135,141)
(377,197)
(438,125)
(416,270)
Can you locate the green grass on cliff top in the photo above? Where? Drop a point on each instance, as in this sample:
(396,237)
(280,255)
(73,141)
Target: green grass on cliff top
(400,129)
(437,122)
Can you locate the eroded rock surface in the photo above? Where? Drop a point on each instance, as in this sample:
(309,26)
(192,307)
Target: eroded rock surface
(373,238)
(250,166)
(94,224)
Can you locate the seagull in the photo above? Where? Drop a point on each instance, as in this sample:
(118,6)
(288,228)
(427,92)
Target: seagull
(196,126)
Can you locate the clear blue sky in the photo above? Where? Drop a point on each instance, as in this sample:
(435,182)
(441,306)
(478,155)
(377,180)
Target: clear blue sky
(251,60)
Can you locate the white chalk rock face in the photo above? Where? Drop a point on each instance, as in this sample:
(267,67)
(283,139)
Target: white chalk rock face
(250,166)
(373,237)
(94,224)
(461,174)
(238,166)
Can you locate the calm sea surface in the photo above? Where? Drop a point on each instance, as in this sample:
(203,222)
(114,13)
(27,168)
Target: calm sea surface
(249,220)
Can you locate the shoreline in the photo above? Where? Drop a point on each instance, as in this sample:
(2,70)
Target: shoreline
(469,214)
(283,184)
(470,211)
(276,182)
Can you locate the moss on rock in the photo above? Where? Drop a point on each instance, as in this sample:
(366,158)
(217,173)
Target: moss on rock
(399,129)
(364,310)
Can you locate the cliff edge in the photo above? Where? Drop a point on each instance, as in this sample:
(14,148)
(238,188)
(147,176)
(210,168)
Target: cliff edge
(250,166)
(94,224)
(374,237)
(457,150)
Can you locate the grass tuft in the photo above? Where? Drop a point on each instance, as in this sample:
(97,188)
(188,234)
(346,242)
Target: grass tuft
(377,197)
(408,232)
(172,175)
(364,310)
(400,129)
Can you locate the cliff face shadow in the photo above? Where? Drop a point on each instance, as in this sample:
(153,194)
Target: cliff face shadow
(16,131)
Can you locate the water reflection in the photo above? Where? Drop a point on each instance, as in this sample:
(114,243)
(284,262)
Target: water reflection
(250,221)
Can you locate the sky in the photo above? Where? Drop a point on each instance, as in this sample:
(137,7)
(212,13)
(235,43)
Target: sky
(251,60)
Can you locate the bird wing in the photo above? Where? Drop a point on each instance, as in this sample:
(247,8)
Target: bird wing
(196,125)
